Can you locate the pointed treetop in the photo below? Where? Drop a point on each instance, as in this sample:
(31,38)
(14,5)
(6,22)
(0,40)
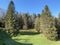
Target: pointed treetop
(11,4)
(11,0)
(46,8)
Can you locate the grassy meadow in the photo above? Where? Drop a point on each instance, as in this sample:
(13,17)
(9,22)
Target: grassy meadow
(33,38)
(26,37)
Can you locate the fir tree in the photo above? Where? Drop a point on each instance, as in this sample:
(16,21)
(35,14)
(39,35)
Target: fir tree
(58,25)
(25,21)
(9,19)
(47,24)
(37,24)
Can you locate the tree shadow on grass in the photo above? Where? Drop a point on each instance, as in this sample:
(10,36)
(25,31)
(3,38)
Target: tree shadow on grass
(12,42)
(21,39)
(6,40)
(29,33)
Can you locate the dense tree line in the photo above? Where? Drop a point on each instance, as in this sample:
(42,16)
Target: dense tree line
(43,23)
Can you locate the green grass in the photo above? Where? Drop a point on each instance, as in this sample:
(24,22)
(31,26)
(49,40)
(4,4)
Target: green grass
(29,37)
(6,40)
(37,39)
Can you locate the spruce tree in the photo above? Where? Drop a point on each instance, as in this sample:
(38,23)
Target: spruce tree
(9,19)
(29,22)
(20,21)
(37,24)
(58,25)
(47,24)
(25,21)
(33,19)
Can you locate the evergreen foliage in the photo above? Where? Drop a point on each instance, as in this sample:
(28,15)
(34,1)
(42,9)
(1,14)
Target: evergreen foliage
(9,19)
(37,24)
(47,24)
(44,23)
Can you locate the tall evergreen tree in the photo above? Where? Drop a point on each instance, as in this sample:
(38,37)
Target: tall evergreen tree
(47,24)
(58,25)
(37,24)
(25,21)
(33,19)
(20,21)
(9,19)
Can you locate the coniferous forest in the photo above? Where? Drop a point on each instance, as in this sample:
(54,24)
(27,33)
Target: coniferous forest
(29,29)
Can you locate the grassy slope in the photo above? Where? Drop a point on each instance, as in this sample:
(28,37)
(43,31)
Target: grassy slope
(6,40)
(37,39)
